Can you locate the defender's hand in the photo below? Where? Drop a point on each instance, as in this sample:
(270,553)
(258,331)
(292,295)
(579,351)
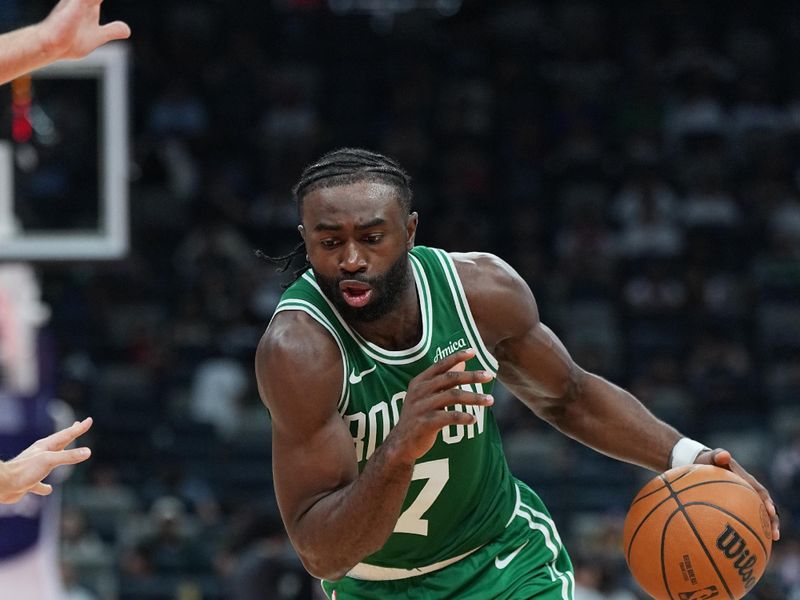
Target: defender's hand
(722,458)
(73,30)
(429,394)
(24,473)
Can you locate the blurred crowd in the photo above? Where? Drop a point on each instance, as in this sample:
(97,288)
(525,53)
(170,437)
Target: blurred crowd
(637,162)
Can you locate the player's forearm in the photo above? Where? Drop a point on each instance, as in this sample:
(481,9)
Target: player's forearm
(612,421)
(346,526)
(22,51)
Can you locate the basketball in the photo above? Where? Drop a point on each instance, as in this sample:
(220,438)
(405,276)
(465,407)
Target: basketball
(697,532)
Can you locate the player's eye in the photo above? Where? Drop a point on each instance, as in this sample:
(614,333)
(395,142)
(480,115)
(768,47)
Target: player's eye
(373,238)
(329,243)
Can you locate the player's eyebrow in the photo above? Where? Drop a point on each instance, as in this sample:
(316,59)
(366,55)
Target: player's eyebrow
(322,226)
(327,227)
(371,223)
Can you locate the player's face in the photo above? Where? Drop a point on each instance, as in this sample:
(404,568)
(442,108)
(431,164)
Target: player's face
(357,237)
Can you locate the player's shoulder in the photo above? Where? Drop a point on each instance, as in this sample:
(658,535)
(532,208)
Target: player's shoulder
(499,298)
(487,272)
(299,371)
(295,335)
(292,341)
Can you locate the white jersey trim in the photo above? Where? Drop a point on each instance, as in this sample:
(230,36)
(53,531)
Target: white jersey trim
(375,352)
(541,522)
(486,358)
(312,311)
(373,573)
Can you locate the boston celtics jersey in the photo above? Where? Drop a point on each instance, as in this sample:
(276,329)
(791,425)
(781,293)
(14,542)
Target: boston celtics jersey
(461,494)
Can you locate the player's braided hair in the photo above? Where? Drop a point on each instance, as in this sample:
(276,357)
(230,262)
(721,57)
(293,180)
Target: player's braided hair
(341,167)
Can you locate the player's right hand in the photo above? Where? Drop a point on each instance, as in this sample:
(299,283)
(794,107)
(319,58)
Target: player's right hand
(723,459)
(429,395)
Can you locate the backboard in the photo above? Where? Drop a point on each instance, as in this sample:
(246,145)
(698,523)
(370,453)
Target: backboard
(64,192)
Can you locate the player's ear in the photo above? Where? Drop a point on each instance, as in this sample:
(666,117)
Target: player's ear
(411,229)
(302,231)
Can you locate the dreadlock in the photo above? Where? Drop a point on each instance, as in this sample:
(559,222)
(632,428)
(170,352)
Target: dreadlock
(341,167)
(284,261)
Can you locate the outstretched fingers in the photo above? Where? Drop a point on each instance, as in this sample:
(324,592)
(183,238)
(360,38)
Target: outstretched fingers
(722,458)
(449,373)
(444,418)
(63,438)
(32,469)
(454,396)
(67,457)
(450,362)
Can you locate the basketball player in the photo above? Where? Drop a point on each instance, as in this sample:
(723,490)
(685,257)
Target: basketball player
(25,473)
(377,370)
(71,30)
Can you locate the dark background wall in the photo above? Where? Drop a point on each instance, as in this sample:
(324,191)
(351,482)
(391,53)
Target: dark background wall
(636,162)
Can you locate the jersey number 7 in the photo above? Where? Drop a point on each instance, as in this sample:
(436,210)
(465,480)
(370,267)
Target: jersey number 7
(437,472)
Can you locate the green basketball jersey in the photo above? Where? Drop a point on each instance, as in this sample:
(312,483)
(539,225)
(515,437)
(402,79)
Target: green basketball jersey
(462,493)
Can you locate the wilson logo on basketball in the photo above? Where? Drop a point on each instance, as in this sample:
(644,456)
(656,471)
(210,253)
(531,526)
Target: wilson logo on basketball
(733,547)
(704,594)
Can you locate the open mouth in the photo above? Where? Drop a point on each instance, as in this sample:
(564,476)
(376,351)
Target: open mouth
(355,293)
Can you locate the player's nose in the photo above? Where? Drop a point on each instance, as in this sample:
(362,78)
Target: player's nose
(351,260)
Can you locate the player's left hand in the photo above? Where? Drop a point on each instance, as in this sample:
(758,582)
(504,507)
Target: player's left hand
(25,473)
(73,30)
(722,458)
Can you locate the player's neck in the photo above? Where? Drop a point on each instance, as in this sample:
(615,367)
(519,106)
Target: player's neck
(399,329)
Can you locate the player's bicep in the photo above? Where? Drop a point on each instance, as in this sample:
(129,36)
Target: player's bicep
(534,364)
(300,378)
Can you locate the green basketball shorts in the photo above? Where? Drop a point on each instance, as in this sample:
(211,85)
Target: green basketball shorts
(526,561)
